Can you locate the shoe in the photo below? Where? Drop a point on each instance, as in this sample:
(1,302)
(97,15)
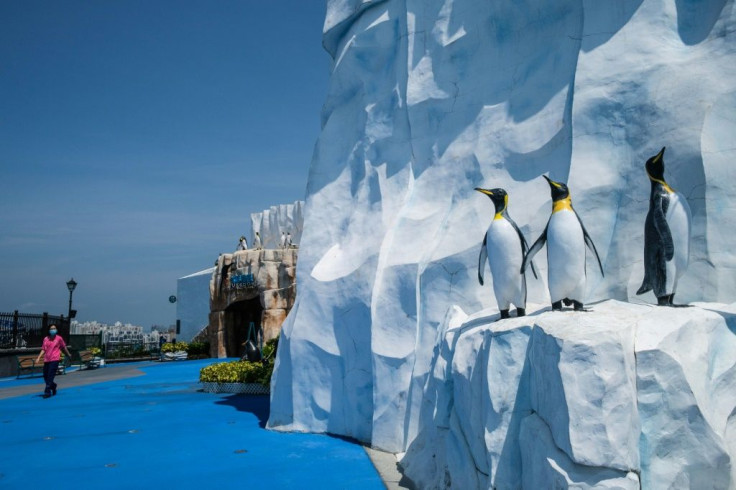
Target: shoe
(53,391)
(46,395)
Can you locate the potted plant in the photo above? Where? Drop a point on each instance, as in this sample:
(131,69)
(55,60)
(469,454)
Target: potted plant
(176,351)
(251,378)
(97,359)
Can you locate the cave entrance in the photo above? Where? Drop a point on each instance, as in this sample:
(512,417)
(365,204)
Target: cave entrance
(240,316)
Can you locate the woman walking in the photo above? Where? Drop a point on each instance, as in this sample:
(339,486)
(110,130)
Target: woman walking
(51,353)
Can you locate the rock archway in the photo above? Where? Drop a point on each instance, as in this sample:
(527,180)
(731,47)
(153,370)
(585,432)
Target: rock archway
(256,286)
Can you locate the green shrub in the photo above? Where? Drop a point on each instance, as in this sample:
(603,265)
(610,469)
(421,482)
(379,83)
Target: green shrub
(95,351)
(269,350)
(174,347)
(198,348)
(127,352)
(237,372)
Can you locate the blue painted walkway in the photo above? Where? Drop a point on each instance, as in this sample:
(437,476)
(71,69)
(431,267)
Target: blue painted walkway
(158,431)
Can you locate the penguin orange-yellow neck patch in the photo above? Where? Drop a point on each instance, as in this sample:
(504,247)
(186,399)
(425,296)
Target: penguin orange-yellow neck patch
(562,204)
(499,215)
(664,184)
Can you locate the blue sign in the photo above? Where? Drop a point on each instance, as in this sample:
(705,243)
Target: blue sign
(242,281)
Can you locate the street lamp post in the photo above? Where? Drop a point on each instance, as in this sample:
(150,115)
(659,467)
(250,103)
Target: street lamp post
(70,284)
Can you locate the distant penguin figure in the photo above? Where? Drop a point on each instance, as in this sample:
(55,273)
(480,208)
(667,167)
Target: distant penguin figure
(667,232)
(243,244)
(257,241)
(566,239)
(504,246)
(283,240)
(289,243)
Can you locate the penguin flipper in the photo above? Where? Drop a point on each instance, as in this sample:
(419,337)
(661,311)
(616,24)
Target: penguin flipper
(524,245)
(662,227)
(536,247)
(482,259)
(590,244)
(645,287)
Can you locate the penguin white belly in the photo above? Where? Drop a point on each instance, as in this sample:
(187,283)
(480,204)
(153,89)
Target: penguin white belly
(678,219)
(565,257)
(504,257)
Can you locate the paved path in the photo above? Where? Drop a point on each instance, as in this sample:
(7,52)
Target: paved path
(11,387)
(148,426)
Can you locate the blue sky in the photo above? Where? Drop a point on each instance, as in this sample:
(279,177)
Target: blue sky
(136,137)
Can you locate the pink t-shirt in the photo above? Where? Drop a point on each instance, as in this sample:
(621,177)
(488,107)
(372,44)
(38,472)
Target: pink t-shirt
(52,348)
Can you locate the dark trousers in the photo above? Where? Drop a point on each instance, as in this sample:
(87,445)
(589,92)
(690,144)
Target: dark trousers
(49,372)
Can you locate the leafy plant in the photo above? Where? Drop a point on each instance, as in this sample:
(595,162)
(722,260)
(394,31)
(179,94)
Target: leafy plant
(127,351)
(269,350)
(198,348)
(174,347)
(95,351)
(237,372)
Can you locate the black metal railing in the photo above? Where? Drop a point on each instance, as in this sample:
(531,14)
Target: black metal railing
(128,350)
(27,330)
(85,341)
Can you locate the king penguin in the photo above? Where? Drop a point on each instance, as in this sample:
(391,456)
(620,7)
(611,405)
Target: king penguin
(667,231)
(504,246)
(566,239)
(257,242)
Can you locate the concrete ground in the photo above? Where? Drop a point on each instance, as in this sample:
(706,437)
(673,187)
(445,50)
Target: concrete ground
(148,426)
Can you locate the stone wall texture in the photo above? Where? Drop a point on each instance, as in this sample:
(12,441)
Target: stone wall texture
(274,275)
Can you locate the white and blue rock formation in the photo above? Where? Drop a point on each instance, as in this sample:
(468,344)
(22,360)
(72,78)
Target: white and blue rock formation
(271,222)
(623,395)
(431,98)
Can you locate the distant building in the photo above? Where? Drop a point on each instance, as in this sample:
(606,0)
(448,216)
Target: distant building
(193,303)
(118,333)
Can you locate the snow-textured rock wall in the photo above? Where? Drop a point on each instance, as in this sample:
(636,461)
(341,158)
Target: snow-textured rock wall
(287,218)
(614,398)
(431,98)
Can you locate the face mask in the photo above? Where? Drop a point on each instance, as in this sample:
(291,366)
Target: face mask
(52,332)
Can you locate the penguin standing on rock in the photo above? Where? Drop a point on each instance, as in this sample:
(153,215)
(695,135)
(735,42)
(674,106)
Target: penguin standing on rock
(504,247)
(566,239)
(667,232)
(242,244)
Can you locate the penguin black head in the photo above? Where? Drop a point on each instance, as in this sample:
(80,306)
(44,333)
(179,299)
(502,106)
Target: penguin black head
(499,197)
(558,190)
(655,166)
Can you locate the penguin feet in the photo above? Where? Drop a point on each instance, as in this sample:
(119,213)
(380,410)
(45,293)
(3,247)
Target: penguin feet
(505,314)
(520,312)
(578,306)
(665,300)
(668,300)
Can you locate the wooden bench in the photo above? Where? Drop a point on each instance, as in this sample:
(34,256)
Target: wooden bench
(86,358)
(28,363)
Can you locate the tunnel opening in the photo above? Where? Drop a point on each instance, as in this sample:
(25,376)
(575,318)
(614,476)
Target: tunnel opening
(240,316)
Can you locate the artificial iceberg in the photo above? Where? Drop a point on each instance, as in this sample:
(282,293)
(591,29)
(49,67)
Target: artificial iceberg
(431,98)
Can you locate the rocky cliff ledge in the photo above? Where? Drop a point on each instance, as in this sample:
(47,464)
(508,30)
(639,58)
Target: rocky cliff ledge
(623,396)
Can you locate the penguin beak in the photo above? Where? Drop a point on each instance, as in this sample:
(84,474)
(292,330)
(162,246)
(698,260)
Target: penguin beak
(484,191)
(659,155)
(551,182)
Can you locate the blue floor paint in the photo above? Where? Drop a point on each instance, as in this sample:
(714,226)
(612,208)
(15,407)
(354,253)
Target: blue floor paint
(158,431)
